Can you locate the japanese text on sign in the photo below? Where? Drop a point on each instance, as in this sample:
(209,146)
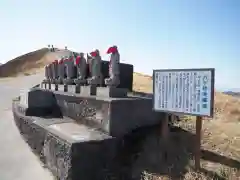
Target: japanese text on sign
(184,91)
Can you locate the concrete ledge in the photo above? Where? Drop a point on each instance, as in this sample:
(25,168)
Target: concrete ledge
(89,90)
(69,150)
(111,92)
(115,116)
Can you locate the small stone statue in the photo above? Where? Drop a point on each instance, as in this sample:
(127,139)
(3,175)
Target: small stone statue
(61,70)
(80,63)
(47,77)
(114,67)
(95,68)
(89,65)
(69,68)
(50,72)
(55,70)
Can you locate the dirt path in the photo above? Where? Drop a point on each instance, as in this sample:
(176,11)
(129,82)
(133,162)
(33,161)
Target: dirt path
(17,162)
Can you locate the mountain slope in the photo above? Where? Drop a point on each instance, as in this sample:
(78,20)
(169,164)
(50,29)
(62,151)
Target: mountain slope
(30,63)
(23,63)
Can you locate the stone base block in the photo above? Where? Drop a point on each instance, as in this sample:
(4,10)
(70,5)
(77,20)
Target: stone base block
(75,151)
(71,88)
(88,90)
(115,116)
(68,81)
(71,151)
(80,81)
(53,87)
(111,92)
(63,88)
(59,81)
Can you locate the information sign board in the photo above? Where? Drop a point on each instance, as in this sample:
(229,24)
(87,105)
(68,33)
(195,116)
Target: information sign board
(186,91)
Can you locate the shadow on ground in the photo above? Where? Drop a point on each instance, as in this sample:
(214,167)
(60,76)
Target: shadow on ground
(144,151)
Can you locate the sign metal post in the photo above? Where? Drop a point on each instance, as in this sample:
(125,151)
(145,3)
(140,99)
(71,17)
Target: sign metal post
(187,92)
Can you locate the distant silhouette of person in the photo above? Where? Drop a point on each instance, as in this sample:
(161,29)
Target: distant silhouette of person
(52,48)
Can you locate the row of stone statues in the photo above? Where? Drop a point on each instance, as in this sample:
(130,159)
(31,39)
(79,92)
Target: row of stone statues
(76,68)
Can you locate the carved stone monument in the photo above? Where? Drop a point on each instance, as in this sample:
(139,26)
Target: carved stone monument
(69,68)
(80,63)
(114,67)
(54,69)
(95,68)
(60,71)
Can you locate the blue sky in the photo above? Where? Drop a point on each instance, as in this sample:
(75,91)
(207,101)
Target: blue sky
(151,34)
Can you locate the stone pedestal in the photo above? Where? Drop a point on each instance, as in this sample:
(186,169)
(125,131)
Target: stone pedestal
(61,87)
(59,81)
(80,81)
(69,150)
(111,92)
(115,116)
(89,90)
(71,88)
(68,81)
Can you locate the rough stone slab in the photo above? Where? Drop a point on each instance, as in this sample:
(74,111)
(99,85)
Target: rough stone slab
(71,151)
(74,151)
(90,90)
(115,116)
(73,132)
(111,92)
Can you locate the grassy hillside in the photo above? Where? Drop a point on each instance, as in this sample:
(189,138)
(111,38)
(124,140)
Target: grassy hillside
(23,63)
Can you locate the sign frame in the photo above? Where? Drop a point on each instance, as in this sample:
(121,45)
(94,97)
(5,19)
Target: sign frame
(212,70)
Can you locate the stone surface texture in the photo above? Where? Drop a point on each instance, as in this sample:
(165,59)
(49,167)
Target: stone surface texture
(71,151)
(115,116)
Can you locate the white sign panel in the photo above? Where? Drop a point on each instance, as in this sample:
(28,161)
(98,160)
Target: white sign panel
(188,91)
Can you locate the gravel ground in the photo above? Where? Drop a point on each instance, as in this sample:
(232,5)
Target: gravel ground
(17,162)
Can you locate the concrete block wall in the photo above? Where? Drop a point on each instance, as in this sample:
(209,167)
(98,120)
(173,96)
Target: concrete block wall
(115,116)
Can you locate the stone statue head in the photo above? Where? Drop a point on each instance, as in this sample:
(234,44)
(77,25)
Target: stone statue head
(81,54)
(97,52)
(112,50)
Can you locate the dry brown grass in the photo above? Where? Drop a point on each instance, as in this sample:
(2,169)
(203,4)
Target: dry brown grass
(220,143)
(24,63)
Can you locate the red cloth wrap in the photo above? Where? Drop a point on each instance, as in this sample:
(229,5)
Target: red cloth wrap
(78,59)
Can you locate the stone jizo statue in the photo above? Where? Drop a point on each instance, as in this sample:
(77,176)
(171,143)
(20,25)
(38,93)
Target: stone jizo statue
(114,67)
(50,72)
(69,64)
(95,68)
(46,72)
(55,69)
(61,69)
(80,63)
